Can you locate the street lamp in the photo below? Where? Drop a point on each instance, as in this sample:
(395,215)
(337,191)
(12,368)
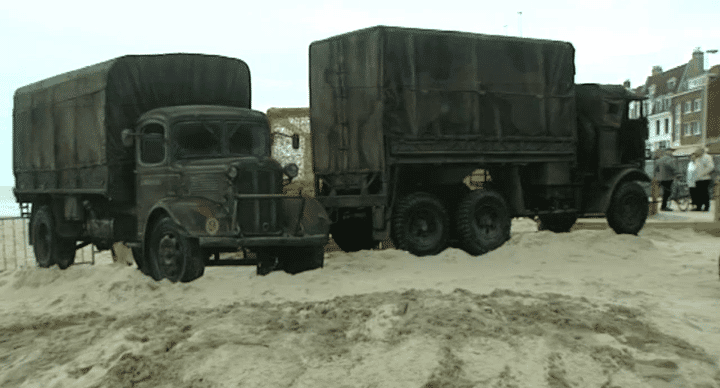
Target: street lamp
(705,100)
(520,23)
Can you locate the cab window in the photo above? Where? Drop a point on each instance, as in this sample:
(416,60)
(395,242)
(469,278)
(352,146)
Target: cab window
(152,144)
(246,138)
(197,138)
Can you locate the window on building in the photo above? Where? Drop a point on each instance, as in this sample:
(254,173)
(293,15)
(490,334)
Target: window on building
(657,127)
(686,129)
(667,126)
(671,83)
(696,128)
(687,107)
(696,105)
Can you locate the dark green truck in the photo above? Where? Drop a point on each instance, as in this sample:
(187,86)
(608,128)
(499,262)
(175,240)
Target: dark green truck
(400,117)
(161,152)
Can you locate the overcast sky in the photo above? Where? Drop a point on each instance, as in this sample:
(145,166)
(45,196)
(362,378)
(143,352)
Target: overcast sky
(614,40)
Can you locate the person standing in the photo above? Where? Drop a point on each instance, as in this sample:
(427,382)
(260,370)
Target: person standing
(665,172)
(690,180)
(704,167)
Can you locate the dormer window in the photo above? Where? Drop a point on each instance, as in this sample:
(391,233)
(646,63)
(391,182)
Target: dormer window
(651,89)
(671,83)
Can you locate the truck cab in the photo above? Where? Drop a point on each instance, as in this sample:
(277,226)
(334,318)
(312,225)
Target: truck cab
(207,171)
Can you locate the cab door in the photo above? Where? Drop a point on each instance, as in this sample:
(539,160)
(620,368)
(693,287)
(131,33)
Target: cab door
(156,179)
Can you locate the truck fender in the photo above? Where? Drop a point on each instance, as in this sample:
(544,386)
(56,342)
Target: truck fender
(305,216)
(627,175)
(197,216)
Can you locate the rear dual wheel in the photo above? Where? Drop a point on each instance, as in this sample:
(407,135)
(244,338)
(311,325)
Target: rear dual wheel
(49,247)
(420,225)
(483,222)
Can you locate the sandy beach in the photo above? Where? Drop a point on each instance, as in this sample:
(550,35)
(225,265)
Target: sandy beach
(584,309)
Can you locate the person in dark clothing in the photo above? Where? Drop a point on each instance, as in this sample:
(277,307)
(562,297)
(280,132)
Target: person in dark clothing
(665,171)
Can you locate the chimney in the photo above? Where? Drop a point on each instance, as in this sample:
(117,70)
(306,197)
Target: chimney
(656,70)
(698,59)
(626,84)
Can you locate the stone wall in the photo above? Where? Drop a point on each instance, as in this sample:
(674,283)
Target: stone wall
(291,121)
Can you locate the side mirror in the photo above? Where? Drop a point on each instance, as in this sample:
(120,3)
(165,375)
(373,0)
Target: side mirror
(295,141)
(127,137)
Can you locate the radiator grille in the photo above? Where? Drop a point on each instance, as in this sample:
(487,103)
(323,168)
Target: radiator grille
(259,216)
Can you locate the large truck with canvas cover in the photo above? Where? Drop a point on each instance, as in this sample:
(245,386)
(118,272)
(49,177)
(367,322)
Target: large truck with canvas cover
(400,118)
(161,152)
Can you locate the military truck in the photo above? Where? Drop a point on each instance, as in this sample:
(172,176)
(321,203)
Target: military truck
(164,153)
(400,117)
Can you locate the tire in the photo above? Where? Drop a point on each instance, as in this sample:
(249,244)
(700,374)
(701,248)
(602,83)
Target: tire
(420,225)
(49,248)
(557,223)
(173,255)
(301,259)
(353,234)
(483,221)
(628,209)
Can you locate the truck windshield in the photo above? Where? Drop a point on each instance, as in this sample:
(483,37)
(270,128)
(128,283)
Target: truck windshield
(215,138)
(245,138)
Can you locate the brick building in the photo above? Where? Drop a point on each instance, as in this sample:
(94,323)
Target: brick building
(675,106)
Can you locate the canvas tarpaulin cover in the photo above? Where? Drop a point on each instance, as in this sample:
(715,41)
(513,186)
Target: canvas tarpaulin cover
(67,129)
(432,91)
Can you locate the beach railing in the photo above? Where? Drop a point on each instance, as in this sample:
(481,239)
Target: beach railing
(16,251)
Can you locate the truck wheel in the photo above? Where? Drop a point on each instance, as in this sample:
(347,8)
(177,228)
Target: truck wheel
(354,234)
(173,255)
(420,225)
(628,209)
(483,222)
(557,223)
(301,259)
(50,248)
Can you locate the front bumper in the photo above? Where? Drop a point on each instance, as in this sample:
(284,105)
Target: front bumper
(269,241)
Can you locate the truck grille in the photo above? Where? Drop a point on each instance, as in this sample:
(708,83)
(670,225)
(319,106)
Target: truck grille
(259,216)
(206,184)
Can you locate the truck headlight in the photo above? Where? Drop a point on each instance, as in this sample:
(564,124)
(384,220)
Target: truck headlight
(232,172)
(291,170)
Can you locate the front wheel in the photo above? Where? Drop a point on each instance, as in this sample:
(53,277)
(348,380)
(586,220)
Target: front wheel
(48,246)
(628,209)
(174,255)
(483,221)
